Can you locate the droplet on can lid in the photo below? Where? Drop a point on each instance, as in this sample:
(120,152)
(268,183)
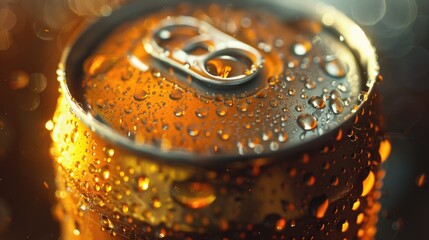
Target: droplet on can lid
(302,46)
(335,67)
(307,122)
(317,102)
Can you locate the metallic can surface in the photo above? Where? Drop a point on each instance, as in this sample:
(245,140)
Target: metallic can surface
(219,120)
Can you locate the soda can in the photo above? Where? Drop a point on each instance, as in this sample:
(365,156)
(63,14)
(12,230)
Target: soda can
(219,120)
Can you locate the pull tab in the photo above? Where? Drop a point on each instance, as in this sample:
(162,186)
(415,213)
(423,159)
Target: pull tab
(202,51)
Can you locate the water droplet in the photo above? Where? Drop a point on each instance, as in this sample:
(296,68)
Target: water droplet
(310,84)
(356,205)
(307,122)
(282,137)
(360,218)
(335,94)
(344,226)
(299,108)
(142,183)
(155,73)
(302,47)
(194,195)
(202,112)
(106,223)
(272,81)
(176,94)
(194,130)
(106,174)
(243,107)
(140,95)
(110,152)
(334,181)
(337,106)
(221,111)
(291,92)
(318,206)
(317,102)
(309,179)
(368,183)
(384,149)
(274,103)
(126,75)
(335,68)
(128,110)
(179,112)
(155,202)
(99,201)
(223,135)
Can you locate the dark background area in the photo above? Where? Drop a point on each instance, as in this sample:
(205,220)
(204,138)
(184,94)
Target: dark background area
(32,37)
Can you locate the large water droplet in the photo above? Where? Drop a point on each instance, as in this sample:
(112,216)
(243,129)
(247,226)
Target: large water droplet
(194,130)
(335,68)
(202,112)
(302,47)
(176,94)
(194,195)
(307,121)
(317,102)
(140,95)
(337,106)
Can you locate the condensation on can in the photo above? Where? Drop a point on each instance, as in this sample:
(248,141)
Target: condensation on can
(201,120)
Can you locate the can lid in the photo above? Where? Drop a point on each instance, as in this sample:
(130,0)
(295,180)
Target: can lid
(206,82)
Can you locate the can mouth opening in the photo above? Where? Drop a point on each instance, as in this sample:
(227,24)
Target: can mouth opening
(70,72)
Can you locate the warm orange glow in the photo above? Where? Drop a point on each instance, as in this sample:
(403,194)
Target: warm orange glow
(368,184)
(384,149)
(281,223)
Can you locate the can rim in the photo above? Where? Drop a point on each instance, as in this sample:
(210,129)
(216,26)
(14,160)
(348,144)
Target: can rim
(355,38)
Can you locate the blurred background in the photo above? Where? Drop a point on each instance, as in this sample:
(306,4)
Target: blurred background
(33,34)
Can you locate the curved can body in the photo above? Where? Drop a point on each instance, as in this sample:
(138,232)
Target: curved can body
(219,120)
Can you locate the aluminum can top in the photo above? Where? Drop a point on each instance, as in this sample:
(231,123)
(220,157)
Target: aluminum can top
(214,81)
